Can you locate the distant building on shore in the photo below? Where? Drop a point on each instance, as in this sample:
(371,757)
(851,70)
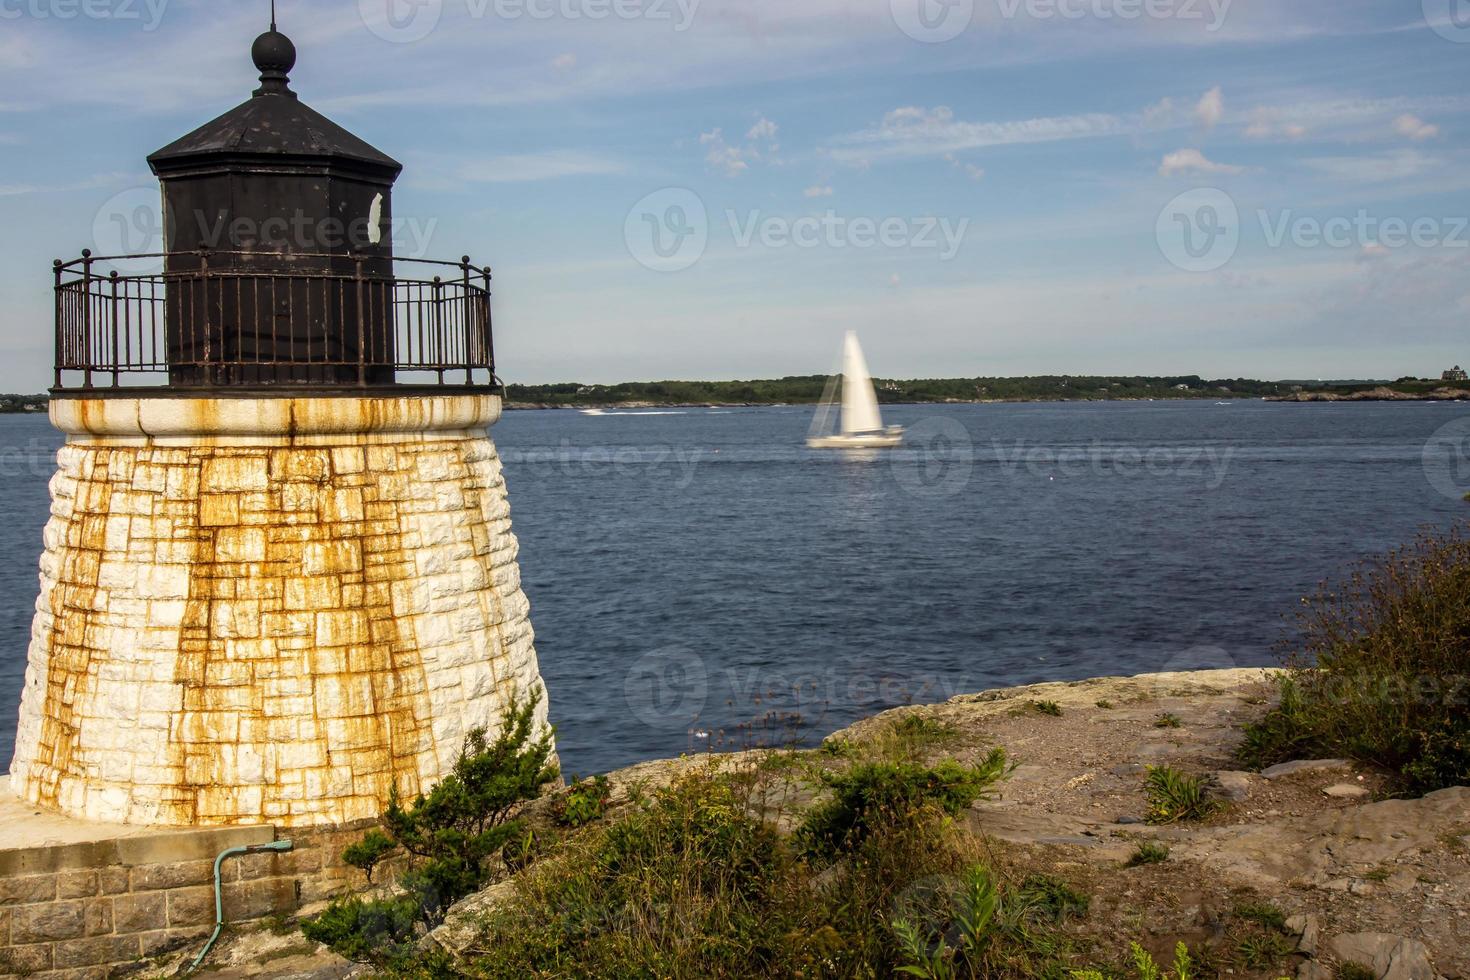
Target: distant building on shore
(1455,373)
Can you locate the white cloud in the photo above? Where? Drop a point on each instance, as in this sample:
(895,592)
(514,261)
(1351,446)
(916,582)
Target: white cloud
(764,131)
(821,190)
(1211,108)
(564,62)
(1266,124)
(912,132)
(1414,128)
(1160,115)
(732,161)
(1380,168)
(970,169)
(523,167)
(1194,162)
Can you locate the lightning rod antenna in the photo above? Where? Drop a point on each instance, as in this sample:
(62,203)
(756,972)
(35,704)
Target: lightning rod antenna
(273,14)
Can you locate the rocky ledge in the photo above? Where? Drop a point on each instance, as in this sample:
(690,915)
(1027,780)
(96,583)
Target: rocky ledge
(1358,876)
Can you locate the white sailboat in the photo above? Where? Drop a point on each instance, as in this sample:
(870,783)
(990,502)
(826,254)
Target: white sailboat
(860,424)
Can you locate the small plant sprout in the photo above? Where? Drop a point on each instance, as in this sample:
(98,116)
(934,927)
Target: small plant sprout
(1149,852)
(1168,720)
(1174,795)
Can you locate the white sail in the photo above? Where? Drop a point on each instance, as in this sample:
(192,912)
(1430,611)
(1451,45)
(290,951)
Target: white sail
(859,399)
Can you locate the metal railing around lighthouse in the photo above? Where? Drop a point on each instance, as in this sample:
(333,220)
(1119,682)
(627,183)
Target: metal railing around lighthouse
(215,319)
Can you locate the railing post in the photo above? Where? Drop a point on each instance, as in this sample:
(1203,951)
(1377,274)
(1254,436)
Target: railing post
(437,305)
(56,267)
(116,364)
(207,366)
(87,317)
(469,329)
(489,329)
(361,326)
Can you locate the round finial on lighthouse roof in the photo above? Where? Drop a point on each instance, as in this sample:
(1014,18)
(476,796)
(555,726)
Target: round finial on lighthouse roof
(275,56)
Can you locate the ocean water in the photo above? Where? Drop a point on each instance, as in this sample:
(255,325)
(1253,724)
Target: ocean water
(699,579)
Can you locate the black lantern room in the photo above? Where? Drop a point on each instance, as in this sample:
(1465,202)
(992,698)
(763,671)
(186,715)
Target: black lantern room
(278,270)
(272,187)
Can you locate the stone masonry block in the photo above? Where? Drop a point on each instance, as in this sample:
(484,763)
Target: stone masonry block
(20,961)
(100,951)
(27,890)
(190,906)
(47,923)
(139,913)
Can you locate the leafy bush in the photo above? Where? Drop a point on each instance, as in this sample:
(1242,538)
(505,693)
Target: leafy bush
(687,884)
(999,931)
(1174,795)
(1047,708)
(1146,969)
(451,837)
(1381,675)
(585,802)
(874,792)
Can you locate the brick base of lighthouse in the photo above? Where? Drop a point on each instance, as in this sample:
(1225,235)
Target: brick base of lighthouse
(268,611)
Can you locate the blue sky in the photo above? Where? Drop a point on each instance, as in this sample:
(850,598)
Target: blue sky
(999,187)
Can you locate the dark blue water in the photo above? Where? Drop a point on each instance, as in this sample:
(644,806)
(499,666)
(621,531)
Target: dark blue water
(700,578)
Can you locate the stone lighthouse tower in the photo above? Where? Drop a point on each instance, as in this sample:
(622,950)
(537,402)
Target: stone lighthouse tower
(279,578)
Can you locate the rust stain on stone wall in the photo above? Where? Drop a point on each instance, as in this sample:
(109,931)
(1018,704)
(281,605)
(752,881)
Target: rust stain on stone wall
(272,633)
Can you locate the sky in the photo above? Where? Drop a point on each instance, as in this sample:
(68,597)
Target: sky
(717,189)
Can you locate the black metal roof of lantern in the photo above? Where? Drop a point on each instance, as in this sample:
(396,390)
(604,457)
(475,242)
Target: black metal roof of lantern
(278,267)
(274,128)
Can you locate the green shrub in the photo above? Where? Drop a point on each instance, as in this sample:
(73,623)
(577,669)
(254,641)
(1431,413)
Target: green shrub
(872,793)
(1149,852)
(1146,969)
(996,931)
(685,884)
(1047,708)
(585,802)
(1355,971)
(1263,914)
(1382,674)
(1174,795)
(1168,721)
(451,836)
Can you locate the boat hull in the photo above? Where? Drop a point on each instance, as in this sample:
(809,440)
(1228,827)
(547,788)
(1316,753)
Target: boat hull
(883,440)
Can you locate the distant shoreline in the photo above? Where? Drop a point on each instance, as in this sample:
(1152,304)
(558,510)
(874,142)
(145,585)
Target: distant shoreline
(795,392)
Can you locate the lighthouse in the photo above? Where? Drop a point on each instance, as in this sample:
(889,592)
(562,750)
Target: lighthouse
(279,581)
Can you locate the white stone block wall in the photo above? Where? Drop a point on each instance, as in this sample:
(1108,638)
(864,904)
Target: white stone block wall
(239,629)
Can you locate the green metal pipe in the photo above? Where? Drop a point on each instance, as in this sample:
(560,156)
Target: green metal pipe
(219,898)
